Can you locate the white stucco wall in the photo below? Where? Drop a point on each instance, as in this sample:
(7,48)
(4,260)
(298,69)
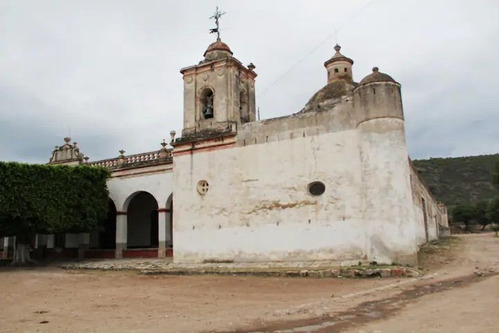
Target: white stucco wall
(158,183)
(123,187)
(388,211)
(258,207)
(436,215)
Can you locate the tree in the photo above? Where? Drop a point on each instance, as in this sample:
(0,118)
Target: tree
(492,210)
(49,199)
(494,175)
(481,215)
(464,213)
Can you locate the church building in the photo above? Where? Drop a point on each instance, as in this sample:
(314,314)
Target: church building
(332,181)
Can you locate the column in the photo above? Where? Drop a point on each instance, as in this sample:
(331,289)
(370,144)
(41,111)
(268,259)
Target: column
(5,248)
(162,231)
(121,233)
(83,244)
(169,229)
(51,240)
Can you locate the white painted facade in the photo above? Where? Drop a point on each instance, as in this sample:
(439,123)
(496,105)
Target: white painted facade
(257,205)
(257,208)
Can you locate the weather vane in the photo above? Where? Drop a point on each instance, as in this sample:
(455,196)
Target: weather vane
(216,16)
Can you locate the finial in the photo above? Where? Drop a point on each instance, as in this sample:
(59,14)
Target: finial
(163,151)
(86,158)
(121,158)
(337,48)
(216,16)
(375,69)
(251,66)
(67,139)
(172,135)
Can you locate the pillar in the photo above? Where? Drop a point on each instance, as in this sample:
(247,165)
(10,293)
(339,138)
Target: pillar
(51,240)
(121,234)
(162,231)
(83,244)
(169,228)
(5,252)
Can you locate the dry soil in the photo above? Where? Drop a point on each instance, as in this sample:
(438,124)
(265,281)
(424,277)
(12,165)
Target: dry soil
(459,293)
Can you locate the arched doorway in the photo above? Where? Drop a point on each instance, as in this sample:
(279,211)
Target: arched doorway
(142,221)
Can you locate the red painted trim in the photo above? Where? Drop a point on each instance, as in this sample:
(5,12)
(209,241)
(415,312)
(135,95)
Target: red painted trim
(121,213)
(204,149)
(163,210)
(100,253)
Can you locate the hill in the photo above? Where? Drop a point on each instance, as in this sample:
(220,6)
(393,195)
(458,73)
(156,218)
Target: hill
(459,179)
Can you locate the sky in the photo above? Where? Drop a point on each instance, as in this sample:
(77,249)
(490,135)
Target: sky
(106,73)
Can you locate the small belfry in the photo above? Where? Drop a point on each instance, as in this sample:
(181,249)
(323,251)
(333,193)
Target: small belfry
(219,92)
(339,67)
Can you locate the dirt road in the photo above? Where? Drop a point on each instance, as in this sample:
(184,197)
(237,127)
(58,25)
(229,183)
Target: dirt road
(459,293)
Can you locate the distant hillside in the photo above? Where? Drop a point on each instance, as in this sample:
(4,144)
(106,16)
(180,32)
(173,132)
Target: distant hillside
(461,179)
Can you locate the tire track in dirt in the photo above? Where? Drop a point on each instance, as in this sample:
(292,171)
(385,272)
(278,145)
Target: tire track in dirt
(367,311)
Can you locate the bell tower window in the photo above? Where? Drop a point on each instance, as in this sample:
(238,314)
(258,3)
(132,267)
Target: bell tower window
(207,103)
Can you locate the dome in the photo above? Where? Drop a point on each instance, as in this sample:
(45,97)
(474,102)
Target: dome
(332,90)
(376,76)
(218,46)
(338,57)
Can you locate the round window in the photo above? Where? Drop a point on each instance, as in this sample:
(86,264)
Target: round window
(202,187)
(316,188)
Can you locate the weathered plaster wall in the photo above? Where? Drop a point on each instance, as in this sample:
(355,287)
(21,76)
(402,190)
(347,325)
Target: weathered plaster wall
(227,79)
(258,206)
(389,227)
(436,213)
(300,125)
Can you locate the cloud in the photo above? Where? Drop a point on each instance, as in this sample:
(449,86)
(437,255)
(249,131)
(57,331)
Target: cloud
(108,71)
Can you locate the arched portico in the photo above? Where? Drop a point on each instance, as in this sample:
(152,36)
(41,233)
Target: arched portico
(143,224)
(142,221)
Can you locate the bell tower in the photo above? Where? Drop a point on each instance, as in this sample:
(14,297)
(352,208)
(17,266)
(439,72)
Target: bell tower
(219,92)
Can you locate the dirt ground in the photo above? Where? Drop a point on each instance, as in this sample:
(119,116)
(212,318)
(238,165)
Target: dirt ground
(459,293)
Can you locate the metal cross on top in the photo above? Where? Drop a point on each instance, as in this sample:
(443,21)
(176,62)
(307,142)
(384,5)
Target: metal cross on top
(216,16)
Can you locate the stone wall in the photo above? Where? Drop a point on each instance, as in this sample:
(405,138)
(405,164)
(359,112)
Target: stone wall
(436,213)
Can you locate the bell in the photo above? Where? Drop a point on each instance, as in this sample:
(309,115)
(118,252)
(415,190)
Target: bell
(209,112)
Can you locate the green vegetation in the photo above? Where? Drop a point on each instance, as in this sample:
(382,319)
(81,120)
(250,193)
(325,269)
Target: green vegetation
(50,199)
(467,185)
(460,180)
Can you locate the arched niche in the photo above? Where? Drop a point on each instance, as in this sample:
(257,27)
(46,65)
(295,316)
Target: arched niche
(142,220)
(207,105)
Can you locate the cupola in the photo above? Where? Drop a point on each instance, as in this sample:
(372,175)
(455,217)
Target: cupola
(217,50)
(339,67)
(376,76)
